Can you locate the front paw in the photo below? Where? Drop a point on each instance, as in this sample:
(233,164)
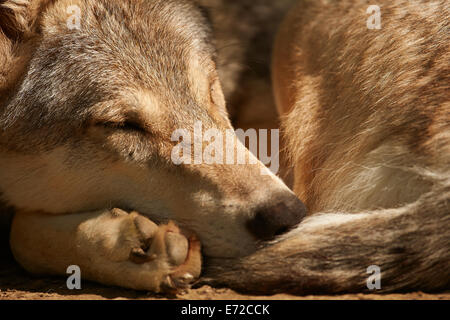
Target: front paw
(171,247)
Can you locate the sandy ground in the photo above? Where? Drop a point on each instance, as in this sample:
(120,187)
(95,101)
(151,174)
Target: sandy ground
(16,284)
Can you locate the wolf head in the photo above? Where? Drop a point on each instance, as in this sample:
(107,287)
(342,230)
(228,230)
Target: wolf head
(88,117)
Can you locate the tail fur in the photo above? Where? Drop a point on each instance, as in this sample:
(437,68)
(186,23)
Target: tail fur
(330,252)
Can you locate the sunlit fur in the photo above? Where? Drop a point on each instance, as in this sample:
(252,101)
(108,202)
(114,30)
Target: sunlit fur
(86,120)
(366,114)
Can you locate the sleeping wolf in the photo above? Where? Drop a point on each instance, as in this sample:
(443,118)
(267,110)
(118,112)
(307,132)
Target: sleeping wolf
(87,115)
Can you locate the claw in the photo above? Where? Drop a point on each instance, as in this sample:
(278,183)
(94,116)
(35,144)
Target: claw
(168,286)
(183,281)
(139,256)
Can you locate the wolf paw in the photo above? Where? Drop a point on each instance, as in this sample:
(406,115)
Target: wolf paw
(176,252)
(112,247)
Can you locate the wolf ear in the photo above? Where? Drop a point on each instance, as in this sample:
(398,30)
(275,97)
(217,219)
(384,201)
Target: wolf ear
(19,18)
(18,23)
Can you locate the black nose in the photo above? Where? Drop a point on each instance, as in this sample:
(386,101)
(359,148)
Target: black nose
(277,219)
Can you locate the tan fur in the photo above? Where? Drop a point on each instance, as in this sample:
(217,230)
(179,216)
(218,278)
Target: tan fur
(366,115)
(372,121)
(86,119)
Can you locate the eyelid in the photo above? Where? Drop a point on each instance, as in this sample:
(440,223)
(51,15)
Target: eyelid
(127,125)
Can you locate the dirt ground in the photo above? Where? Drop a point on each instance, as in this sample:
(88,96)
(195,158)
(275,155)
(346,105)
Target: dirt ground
(16,284)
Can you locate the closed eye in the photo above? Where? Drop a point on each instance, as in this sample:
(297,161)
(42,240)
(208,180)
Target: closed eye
(125,125)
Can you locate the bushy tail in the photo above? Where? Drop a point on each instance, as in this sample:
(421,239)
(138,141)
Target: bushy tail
(330,253)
